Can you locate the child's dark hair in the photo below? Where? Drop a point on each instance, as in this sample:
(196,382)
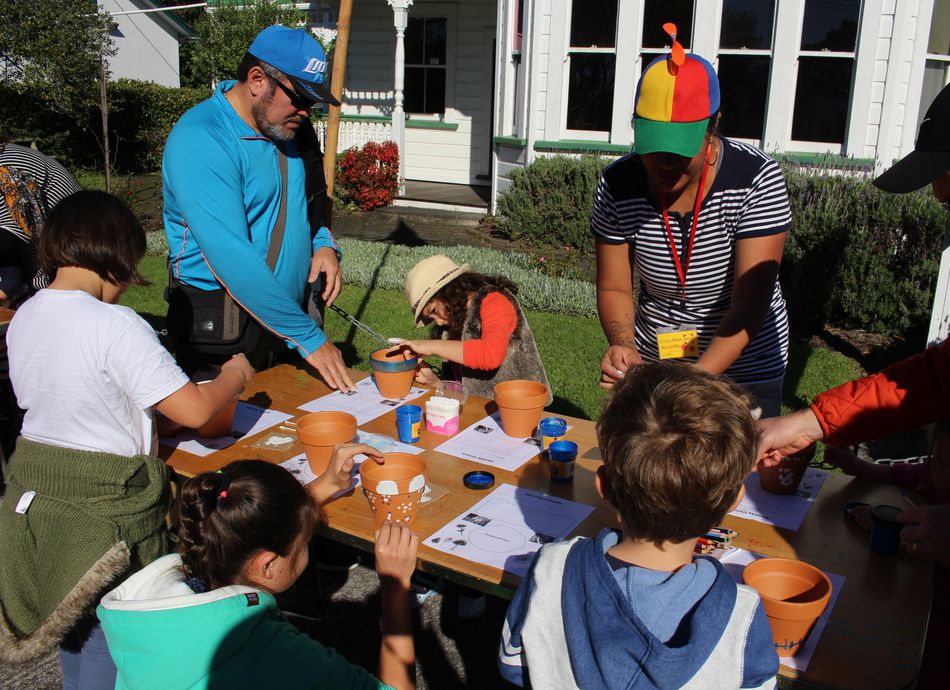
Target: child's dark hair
(455,296)
(226,517)
(677,444)
(96,231)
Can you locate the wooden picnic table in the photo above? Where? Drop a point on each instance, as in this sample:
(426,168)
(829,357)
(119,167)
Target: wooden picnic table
(873,639)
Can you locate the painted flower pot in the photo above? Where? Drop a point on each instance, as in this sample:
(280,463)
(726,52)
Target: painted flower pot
(319,432)
(520,404)
(794,595)
(394,488)
(785,477)
(393,372)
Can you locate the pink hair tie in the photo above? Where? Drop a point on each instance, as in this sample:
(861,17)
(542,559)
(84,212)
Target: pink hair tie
(223,494)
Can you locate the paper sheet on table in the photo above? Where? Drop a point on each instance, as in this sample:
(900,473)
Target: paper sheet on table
(486,443)
(786,512)
(507,527)
(735,563)
(300,468)
(248,420)
(366,404)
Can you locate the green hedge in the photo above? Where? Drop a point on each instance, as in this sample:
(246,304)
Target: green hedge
(141,114)
(856,257)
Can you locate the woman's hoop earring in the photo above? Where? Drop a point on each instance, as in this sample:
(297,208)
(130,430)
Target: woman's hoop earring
(709,162)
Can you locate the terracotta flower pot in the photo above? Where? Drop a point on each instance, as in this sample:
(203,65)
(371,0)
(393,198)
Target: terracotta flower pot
(394,488)
(521,404)
(785,477)
(393,372)
(794,595)
(319,432)
(220,424)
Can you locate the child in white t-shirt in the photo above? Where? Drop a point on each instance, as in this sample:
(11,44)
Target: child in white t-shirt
(88,373)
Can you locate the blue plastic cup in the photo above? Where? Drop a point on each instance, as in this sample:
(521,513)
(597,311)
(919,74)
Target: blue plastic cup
(563,454)
(409,423)
(551,429)
(885,530)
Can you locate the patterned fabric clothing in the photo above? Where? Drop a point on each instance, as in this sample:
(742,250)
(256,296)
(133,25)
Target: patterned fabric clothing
(747,199)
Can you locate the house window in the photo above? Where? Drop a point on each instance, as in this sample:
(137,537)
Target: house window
(425,65)
(937,67)
(593,57)
(825,66)
(655,41)
(745,60)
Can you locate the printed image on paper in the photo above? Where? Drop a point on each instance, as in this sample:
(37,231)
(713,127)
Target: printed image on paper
(506,528)
(366,404)
(485,442)
(248,420)
(786,512)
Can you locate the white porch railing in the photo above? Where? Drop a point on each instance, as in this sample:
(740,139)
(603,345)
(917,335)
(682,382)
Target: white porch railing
(356,131)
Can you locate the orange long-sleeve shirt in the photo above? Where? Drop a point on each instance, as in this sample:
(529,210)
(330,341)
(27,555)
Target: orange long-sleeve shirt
(499,321)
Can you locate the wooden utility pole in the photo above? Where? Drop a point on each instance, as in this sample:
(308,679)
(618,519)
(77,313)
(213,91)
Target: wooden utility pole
(336,88)
(104,109)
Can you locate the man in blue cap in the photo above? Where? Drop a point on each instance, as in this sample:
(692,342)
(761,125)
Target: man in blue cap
(241,250)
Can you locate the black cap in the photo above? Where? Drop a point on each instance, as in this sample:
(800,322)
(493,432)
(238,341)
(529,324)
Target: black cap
(931,155)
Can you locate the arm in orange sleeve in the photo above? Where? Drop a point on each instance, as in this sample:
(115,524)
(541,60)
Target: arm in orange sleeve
(499,321)
(905,395)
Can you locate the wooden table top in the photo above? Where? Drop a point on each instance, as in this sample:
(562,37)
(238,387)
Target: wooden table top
(873,639)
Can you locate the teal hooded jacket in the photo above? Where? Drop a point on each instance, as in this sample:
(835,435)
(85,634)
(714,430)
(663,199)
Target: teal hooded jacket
(163,635)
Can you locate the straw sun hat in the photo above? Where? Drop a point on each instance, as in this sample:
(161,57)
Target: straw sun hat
(426,278)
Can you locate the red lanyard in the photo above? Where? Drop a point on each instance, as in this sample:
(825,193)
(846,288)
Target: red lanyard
(682,270)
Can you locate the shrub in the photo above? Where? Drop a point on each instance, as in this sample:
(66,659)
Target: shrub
(369,177)
(856,257)
(550,201)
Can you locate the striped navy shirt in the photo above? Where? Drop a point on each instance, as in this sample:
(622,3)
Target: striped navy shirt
(747,199)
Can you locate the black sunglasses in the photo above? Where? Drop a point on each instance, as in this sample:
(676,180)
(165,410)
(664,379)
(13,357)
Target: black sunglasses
(297,100)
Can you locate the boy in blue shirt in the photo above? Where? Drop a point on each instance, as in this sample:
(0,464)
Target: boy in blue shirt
(633,608)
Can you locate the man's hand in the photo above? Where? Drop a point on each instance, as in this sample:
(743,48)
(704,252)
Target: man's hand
(787,435)
(928,532)
(324,261)
(328,361)
(615,363)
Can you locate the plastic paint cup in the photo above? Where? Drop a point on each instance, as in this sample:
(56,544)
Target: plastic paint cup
(409,423)
(551,429)
(885,530)
(563,455)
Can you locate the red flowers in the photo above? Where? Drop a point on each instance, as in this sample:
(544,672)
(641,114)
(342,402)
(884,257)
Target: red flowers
(369,177)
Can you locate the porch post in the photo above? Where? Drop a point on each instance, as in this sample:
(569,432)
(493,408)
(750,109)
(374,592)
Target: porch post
(400,19)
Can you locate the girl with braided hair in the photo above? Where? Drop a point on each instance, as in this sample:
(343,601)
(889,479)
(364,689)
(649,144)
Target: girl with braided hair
(207,616)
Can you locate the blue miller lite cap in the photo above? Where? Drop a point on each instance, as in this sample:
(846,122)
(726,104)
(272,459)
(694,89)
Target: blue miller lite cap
(298,55)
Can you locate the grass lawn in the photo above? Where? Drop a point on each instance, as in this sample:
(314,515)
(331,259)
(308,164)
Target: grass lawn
(570,346)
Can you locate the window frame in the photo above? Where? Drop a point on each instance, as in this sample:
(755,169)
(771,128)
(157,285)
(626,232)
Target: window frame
(449,13)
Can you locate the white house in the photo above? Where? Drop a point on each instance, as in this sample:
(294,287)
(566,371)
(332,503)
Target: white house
(490,85)
(146,41)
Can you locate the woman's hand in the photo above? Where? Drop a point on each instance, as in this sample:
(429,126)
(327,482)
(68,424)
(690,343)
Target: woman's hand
(426,376)
(615,363)
(396,549)
(419,347)
(787,435)
(339,474)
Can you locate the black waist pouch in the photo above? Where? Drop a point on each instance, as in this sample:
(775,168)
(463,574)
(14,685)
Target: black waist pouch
(209,322)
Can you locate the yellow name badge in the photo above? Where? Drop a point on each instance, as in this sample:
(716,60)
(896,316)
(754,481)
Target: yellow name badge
(683,342)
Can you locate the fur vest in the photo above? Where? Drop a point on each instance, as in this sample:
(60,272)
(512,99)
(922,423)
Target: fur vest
(522,360)
(93,518)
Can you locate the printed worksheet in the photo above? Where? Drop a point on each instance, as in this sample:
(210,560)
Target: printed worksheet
(735,563)
(506,528)
(486,443)
(248,420)
(785,512)
(366,404)
(300,468)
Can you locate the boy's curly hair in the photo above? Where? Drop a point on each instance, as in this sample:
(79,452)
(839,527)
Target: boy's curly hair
(678,442)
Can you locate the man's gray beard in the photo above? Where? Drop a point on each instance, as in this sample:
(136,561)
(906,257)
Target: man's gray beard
(275,132)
